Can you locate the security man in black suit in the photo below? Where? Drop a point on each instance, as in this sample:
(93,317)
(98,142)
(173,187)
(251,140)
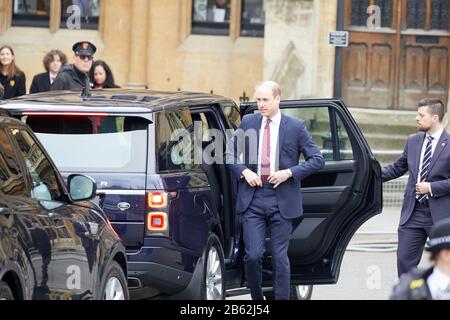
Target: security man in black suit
(76,76)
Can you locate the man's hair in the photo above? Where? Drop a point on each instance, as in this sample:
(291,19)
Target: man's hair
(276,88)
(49,57)
(435,107)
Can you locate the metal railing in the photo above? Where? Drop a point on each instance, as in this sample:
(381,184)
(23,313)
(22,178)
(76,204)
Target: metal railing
(393,192)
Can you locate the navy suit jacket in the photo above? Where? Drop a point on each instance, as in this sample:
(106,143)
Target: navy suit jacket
(438,176)
(293,140)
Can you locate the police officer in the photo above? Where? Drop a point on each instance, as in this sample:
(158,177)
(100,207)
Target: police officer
(433,283)
(76,76)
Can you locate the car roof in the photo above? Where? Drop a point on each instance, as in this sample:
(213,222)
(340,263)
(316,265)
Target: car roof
(110,100)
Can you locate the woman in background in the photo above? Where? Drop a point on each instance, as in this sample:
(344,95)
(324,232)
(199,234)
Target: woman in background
(102,76)
(12,79)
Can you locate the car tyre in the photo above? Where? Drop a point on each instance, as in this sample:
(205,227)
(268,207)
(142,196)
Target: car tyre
(114,283)
(5,292)
(301,292)
(213,284)
(297,293)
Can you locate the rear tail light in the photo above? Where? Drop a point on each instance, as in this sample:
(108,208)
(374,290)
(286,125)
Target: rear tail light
(157,222)
(157,199)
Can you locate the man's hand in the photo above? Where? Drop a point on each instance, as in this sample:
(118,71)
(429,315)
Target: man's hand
(252,178)
(279,177)
(422,188)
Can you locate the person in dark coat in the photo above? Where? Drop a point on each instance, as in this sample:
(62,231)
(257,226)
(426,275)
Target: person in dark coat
(102,75)
(12,79)
(76,76)
(53,61)
(427,196)
(432,283)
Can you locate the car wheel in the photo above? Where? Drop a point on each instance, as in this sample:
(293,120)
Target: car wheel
(114,284)
(213,287)
(5,292)
(297,293)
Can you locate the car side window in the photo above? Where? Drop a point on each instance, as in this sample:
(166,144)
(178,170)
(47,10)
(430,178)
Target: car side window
(45,182)
(12,181)
(327,131)
(175,141)
(233,116)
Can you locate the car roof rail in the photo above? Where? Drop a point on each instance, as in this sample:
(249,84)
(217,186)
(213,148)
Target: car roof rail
(86,93)
(124,97)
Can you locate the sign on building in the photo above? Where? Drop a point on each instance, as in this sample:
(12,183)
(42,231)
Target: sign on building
(338,38)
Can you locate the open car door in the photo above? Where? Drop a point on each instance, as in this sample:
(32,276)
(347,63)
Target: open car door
(337,200)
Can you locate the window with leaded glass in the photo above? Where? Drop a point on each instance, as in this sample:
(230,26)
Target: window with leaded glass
(439,14)
(416,14)
(359,12)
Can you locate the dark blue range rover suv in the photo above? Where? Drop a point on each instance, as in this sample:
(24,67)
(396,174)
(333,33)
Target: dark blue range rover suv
(176,218)
(54,243)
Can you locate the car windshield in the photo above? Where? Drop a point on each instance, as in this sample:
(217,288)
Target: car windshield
(93,143)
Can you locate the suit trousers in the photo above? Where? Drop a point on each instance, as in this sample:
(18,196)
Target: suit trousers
(412,237)
(261,219)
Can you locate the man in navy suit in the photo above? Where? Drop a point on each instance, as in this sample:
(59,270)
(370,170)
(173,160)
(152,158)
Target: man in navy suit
(53,61)
(427,197)
(269,192)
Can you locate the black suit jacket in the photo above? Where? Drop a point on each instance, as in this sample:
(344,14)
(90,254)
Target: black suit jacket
(41,83)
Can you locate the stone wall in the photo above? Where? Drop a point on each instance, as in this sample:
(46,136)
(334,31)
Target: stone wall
(296,51)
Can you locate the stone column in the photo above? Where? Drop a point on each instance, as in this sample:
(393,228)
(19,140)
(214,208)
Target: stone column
(137,76)
(5,15)
(55,15)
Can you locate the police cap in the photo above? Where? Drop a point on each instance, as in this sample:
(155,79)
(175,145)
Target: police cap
(84,48)
(439,236)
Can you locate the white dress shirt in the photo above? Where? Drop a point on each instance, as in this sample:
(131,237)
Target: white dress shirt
(436,136)
(437,282)
(50,77)
(274,130)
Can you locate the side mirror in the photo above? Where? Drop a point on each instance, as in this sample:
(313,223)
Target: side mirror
(81,187)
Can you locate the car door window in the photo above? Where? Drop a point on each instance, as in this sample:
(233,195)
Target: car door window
(45,182)
(232,115)
(175,141)
(327,131)
(12,182)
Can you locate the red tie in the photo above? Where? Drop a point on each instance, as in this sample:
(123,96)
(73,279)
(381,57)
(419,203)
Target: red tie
(265,153)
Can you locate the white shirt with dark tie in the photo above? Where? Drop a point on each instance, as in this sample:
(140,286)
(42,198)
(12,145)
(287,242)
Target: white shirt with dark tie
(436,136)
(52,78)
(274,130)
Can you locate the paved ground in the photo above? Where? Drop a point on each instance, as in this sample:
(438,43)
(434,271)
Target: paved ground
(368,271)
